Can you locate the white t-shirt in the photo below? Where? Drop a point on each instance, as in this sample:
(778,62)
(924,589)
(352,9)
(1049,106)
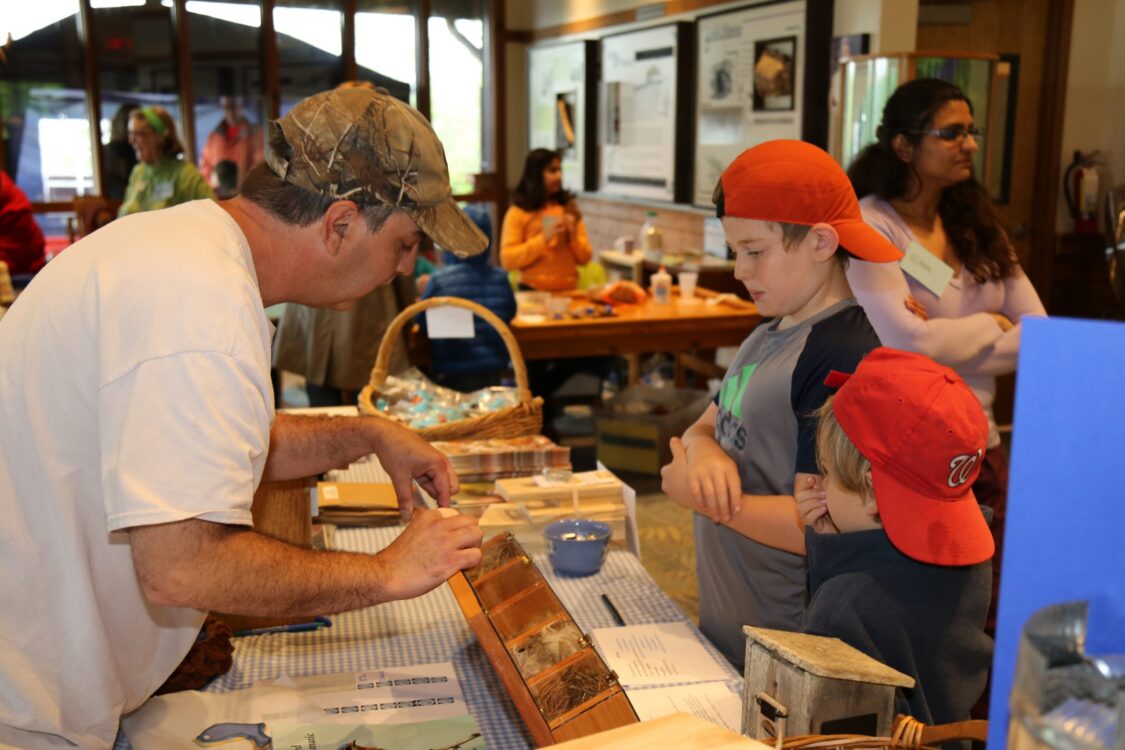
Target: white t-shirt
(134,390)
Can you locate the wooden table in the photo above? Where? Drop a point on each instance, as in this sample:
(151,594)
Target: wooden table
(680,327)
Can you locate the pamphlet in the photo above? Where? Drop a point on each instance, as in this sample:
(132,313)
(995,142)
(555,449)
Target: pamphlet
(373,699)
(666,653)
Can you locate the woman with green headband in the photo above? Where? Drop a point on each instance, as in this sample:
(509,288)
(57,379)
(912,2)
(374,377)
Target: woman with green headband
(161,178)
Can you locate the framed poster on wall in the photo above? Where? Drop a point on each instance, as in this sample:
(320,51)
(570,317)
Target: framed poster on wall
(561,109)
(645,113)
(750,83)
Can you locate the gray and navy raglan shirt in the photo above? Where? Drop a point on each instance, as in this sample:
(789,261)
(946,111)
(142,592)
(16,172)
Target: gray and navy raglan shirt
(767,424)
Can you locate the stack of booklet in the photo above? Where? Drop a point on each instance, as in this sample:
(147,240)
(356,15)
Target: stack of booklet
(356,503)
(496,458)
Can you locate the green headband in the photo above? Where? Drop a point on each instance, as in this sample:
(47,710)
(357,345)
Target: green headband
(153,120)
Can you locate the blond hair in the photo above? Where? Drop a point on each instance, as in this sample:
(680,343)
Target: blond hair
(837,455)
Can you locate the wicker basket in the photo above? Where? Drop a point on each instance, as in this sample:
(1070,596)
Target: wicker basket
(907,734)
(525,418)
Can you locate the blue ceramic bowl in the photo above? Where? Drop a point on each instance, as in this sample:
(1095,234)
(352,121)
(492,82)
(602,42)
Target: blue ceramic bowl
(577,546)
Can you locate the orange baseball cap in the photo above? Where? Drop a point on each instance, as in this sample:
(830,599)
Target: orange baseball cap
(798,183)
(925,434)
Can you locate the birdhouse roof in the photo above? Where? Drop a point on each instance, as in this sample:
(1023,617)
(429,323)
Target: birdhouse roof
(826,657)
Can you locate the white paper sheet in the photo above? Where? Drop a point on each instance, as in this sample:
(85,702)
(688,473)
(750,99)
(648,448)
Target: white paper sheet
(662,654)
(449,323)
(380,696)
(713,701)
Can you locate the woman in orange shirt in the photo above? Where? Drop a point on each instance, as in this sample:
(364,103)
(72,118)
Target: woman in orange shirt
(543,236)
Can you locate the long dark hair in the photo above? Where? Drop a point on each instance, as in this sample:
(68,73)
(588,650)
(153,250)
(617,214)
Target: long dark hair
(965,208)
(529,194)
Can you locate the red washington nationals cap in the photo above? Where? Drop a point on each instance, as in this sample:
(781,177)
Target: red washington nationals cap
(925,434)
(798,183)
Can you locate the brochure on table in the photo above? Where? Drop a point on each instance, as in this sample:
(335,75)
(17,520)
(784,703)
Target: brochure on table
(419,703)
(751,64)
(665,669)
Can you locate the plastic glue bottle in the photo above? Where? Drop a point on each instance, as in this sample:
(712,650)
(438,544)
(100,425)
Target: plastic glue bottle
(662,287)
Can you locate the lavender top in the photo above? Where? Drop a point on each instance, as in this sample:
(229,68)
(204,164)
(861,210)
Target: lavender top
(960,331)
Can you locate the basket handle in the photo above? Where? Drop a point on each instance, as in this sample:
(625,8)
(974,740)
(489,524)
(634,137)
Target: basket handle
(394,330)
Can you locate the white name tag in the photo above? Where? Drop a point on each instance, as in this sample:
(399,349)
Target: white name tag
(926,268)
(162,191)
(449,323)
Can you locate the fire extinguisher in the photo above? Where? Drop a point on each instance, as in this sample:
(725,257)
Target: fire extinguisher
(1080,187)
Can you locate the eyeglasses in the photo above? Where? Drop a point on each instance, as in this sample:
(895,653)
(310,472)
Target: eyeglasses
(953,133)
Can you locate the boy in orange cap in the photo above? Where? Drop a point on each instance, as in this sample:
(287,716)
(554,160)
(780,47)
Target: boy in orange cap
(792,219)
(907,578)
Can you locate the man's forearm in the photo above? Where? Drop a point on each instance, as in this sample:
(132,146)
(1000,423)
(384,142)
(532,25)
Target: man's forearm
(220,568)
(303,446)
(212,566)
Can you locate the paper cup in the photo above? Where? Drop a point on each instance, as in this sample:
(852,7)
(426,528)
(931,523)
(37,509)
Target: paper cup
(687,283)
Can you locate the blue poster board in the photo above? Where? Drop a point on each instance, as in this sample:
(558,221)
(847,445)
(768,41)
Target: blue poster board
(1065,534)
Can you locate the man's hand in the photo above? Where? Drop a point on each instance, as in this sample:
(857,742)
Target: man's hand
(812,504)
(406,458)
(711,478)
(431,549)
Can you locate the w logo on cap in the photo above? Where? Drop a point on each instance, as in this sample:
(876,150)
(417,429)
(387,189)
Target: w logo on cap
(961,468)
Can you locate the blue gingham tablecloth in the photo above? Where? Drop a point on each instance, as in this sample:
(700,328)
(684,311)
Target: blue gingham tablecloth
(431,628)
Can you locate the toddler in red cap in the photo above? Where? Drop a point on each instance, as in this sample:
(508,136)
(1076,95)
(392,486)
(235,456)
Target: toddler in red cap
(907,578)
(791,217)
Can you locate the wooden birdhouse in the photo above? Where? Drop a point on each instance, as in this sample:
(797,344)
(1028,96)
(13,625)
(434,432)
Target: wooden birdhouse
(796,684)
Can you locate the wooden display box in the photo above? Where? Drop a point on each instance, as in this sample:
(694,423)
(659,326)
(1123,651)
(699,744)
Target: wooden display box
(558,683)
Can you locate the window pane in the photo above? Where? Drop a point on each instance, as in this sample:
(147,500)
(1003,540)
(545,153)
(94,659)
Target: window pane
(456,79)
(384,46)
(229,106)
(136,68)
(309,42)
(43,103)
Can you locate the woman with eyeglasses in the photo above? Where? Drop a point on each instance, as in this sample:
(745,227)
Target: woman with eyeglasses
(959,294)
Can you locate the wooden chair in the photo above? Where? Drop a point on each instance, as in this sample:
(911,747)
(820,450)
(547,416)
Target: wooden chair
(91,212)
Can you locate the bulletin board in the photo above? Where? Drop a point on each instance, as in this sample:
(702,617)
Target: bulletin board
(645,111)
(750,85)
(561,110)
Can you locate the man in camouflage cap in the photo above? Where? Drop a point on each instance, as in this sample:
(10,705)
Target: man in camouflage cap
(366,146)
(137,419)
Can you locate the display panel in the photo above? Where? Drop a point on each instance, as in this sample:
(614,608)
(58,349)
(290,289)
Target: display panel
(749,84)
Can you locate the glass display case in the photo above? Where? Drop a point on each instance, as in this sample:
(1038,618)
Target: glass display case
(868,81)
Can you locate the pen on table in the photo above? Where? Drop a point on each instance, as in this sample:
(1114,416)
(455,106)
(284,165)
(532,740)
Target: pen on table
(299,627)
(613,610)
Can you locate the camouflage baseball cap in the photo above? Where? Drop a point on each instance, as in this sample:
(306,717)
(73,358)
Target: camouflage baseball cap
(366,146)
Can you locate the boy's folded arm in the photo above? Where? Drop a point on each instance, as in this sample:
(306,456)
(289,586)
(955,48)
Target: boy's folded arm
(772,520)
(710,474)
